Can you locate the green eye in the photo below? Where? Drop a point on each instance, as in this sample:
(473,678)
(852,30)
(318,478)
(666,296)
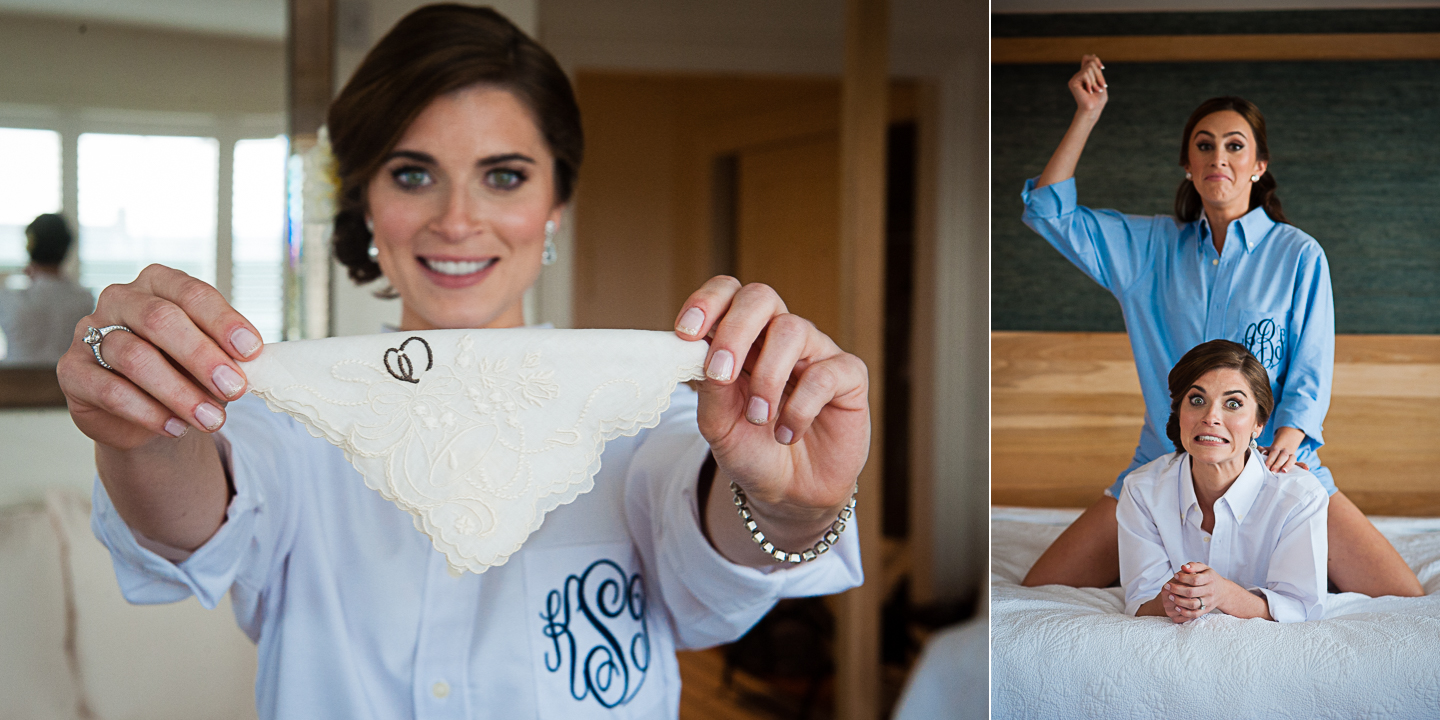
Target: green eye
(504,179)
(1233,404)
(1196,400)
(412,177)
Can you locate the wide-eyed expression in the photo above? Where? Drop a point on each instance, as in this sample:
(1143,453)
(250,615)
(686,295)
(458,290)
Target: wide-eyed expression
(1222,159)
(459,210)
(1218,417)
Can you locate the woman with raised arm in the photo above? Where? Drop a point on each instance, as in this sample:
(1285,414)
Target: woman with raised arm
(457,145)
(1225,266)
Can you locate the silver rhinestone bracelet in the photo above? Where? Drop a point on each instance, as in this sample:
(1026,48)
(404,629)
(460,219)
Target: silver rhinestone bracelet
(831,536)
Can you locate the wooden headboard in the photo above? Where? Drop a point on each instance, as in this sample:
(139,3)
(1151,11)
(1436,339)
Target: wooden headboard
(1066,413)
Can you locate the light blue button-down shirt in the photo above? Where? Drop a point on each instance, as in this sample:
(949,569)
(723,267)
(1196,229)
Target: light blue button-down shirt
(1269,291)
(1269,535)
(357,617)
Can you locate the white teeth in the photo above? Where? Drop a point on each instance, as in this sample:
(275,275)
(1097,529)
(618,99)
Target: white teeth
(457,267)
(1211,438)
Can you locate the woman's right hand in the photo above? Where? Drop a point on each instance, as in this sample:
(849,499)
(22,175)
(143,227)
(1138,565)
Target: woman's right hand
(1088,86)
(174,371)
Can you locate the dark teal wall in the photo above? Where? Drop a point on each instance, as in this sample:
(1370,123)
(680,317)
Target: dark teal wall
(1355,147)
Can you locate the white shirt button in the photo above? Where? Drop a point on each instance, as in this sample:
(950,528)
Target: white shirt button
(440,689)
(1207,539)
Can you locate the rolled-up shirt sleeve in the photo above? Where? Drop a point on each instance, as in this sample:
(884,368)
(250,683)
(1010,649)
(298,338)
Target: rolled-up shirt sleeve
(1144,564)
(710,599)
(1306,397)
(1295,585)
(1112,248)
(264,449)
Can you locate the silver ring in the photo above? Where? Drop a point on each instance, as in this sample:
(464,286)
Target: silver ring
(94,336)
(1202,603)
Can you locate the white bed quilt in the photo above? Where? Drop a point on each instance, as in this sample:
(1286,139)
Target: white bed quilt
(1059,652)
(477,433)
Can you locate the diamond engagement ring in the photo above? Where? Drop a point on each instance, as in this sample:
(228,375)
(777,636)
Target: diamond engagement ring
(94,336)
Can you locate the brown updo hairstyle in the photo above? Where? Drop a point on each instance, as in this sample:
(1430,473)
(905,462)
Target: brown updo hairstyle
(1188,205)
(435,50)
(1211,356)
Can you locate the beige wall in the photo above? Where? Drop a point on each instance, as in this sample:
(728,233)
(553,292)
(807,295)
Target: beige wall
(50,63)
(942,43)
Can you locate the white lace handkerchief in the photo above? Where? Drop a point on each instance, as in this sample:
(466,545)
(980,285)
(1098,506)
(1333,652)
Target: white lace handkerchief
(477,433)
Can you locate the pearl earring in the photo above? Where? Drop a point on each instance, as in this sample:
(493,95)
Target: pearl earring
(1187,175)
(548,256)
(1255,178)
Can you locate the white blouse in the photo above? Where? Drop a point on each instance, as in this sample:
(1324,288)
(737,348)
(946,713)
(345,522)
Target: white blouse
(1269,535)
(356,615)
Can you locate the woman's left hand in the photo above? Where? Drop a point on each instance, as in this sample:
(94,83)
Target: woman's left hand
(1281,454)
(785,411)
(1194,591)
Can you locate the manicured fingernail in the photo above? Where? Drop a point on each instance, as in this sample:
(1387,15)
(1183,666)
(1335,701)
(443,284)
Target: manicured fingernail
(784,435)
(758,411)
(244,342)
(209,416)
(691,321)
(175,427)
(229,381)
(722,363)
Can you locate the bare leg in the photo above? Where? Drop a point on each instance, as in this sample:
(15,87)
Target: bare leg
(1361,559)
(1087,554)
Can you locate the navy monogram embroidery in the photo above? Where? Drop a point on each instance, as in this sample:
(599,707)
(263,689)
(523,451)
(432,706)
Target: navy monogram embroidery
(403,368)
(1266,341)
(603,596)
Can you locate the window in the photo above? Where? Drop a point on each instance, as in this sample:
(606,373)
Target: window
(258,232)
(146,199)
(29,186)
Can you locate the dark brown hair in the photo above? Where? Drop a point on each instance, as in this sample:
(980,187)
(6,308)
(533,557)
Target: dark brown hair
(1211,356)
(435,50)
(1188,205)
(49,239)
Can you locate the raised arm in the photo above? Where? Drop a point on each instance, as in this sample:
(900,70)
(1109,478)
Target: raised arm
(152,416)
(1090,92)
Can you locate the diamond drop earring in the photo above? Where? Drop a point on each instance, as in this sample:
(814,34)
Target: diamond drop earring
(548,256)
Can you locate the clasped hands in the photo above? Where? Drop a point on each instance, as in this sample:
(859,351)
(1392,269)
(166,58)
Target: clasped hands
(1196,590)
(785,411)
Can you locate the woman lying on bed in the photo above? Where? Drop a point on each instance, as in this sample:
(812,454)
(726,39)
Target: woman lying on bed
(1212,527)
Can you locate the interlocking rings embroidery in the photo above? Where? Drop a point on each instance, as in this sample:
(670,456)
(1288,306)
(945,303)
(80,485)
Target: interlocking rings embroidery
(404,369)
(1266,341)
(611,672)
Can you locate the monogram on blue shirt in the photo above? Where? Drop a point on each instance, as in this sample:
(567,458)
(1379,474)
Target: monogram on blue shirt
(602,601)
(1265,339)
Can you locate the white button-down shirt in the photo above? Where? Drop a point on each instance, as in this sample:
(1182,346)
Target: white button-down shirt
(1269,534)
(356,615)
(39,321)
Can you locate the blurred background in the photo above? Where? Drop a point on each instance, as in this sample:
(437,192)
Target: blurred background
(837,151)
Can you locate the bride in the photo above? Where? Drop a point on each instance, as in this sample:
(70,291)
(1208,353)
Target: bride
(458,142)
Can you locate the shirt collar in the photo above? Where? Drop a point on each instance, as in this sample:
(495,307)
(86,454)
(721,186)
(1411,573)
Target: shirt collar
(1254,226)
(1239,496)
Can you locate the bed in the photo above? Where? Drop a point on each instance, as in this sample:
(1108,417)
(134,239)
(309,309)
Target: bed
(1061,652)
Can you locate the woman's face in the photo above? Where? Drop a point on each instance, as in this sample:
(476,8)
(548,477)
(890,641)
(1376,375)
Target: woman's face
(1217,417)
(459,210)
(1222,159)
